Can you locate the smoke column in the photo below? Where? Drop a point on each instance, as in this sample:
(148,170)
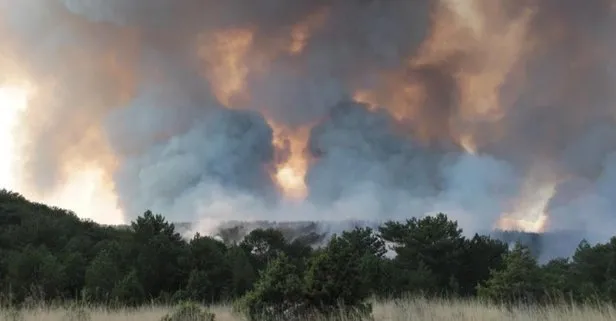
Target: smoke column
(498,113)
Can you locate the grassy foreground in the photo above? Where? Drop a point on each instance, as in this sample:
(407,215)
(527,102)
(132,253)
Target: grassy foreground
(415,310)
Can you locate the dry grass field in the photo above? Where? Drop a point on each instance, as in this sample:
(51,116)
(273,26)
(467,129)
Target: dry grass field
(416,310)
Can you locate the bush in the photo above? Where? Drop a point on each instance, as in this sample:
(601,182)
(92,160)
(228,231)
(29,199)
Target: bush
(518,281)
(278,293)
(336,280)
(188,311)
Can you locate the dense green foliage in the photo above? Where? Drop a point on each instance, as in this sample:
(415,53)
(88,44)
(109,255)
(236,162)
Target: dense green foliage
(50,254)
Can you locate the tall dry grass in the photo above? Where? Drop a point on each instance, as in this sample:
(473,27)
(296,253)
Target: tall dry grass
(416,310)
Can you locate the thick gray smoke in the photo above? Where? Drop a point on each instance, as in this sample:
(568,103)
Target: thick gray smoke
(381,160)
(138,88)
(226,149)
(360,156)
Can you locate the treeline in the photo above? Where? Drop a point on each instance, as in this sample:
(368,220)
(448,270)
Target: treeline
(50,254)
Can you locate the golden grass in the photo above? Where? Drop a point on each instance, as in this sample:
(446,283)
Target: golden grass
(416,310)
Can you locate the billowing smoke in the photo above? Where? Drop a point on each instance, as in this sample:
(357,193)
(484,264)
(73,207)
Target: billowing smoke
(380,159)
(499,113)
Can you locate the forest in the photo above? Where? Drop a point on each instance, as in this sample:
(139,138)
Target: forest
(48,254)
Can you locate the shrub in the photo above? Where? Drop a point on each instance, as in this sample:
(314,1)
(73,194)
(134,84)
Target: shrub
(277,294)
(336,281)
(188,311)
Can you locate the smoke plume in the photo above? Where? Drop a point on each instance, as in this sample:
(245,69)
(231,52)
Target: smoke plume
(499,113)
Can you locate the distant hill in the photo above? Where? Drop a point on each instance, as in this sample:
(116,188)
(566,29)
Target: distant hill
(544,245)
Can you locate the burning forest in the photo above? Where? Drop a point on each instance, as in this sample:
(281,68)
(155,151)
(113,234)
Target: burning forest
(499,113)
